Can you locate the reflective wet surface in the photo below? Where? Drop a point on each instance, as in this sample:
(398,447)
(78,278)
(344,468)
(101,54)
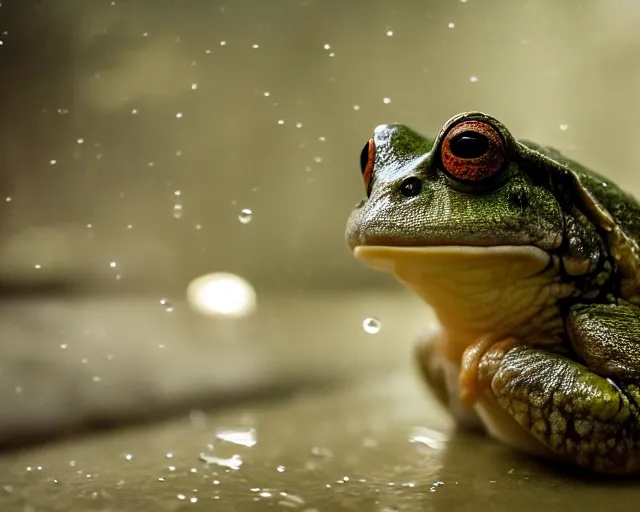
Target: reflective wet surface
(175,177)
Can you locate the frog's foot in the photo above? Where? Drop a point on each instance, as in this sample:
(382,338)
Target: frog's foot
(441,375)
(484,351)
(578,415)
(606,337)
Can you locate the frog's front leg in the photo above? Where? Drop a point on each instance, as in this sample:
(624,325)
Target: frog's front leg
(577,414)
(606,337)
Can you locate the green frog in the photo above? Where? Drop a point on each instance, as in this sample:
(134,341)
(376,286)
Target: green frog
(531,263)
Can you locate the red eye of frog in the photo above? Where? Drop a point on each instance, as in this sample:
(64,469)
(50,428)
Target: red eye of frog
(473,151)
(367,157)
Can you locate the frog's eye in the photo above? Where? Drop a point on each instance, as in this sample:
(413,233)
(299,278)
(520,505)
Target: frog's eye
(473,151)
(367,157)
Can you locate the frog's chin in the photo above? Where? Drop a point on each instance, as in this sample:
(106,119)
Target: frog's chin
(473,290)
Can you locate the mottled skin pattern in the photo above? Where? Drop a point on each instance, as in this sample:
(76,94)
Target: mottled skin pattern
(565,364)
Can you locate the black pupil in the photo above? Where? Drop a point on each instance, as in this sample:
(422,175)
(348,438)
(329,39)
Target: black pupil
(411,187)
(469,145)
(364,157)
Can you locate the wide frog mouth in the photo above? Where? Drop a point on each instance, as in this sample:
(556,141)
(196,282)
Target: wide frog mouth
(473,290)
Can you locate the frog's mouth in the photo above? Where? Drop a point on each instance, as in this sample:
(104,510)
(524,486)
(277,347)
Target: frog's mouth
(473,290)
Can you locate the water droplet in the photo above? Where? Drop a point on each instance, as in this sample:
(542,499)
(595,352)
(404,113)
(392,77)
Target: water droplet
(298,125)
(129,456)
(386,100)
(168,307)
(80,140)
(389,33)
(193,499)
(53,162)
(129,226)
(371,325)
(134,111)
(63,346)
(266,94)
(246,437)
(181,497)
(177,211)
(280,121)
(96,378)
(169,455)
(356,107)
(451,25)
(280,469)
(179,115)
(322,139)
(327,47)
(113,264)
(38,267)
(194,86)
(317,159)
(473,79)
(233,462)
(223,43)
(8,199)
(564,127)
(255,46)
(245,216)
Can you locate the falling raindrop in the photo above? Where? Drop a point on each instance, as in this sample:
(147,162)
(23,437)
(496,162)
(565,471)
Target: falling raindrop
(177,211)
(564,127)
(371,325)
(245,216)
(168,307)
(473,79)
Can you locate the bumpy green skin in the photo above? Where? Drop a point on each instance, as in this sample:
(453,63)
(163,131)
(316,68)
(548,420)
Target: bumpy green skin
(584,405)
(580,415)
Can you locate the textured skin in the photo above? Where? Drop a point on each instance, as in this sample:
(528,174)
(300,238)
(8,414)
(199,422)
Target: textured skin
(579,395)
(580,415)
(606,337)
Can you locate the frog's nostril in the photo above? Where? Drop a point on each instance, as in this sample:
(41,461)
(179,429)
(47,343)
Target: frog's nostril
(411,187)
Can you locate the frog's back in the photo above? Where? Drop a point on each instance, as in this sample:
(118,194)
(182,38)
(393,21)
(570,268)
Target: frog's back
(623,208)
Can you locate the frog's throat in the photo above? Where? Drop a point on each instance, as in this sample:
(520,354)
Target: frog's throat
(500,290)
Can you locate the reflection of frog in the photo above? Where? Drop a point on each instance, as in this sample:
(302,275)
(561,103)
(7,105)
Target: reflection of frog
(532,265)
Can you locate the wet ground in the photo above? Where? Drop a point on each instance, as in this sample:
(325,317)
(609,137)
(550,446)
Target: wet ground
(339,425)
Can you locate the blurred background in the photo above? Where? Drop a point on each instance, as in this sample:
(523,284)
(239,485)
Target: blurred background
(147,146)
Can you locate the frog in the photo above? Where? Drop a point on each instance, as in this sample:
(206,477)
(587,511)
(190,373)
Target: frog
(531,263)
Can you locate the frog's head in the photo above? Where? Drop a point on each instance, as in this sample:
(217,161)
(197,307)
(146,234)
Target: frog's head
(471,186)
(471,205)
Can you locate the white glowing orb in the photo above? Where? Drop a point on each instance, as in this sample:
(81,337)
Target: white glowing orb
(222,294)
